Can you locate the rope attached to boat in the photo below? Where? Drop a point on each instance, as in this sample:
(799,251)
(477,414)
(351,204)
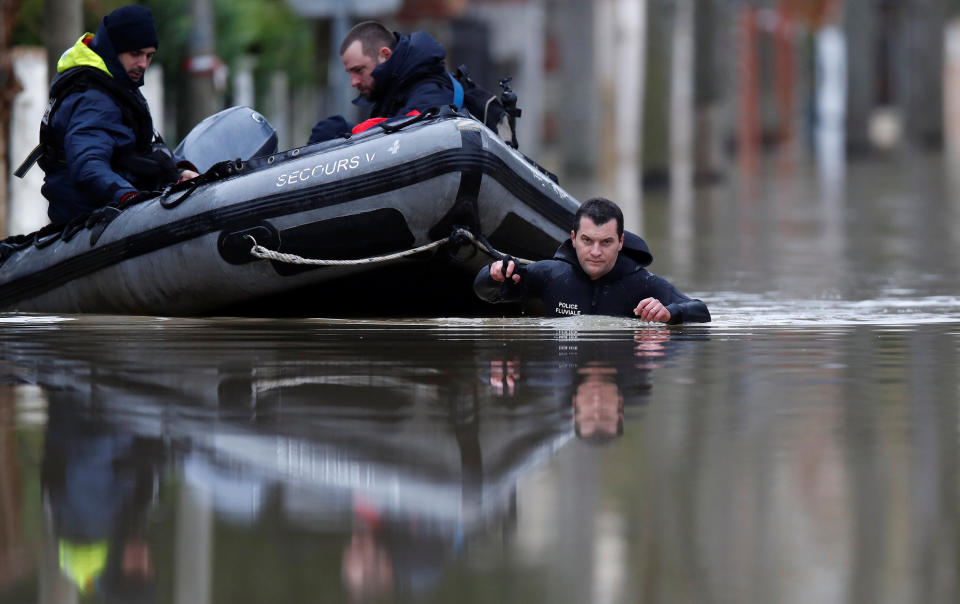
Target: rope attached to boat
(258,251)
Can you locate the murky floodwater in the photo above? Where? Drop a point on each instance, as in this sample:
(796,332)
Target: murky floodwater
(803,447)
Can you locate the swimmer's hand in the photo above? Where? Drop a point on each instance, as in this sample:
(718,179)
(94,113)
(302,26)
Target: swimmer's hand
(651,310)
(500,273)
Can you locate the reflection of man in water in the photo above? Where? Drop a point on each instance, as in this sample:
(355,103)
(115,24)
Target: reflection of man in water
(367,568)
(392,556)
(504,376)
(597,404)
(98,484)
(603,377)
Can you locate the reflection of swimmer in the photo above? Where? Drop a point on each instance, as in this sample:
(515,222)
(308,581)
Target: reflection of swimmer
(597,404)
(603,376)
(367,567)
(504,376)
(98,485)
(650,347)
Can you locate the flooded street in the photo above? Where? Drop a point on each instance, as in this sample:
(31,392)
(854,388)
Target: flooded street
(802,447)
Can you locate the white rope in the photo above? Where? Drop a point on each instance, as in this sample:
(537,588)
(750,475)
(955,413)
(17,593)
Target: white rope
(258,251)
(263,253)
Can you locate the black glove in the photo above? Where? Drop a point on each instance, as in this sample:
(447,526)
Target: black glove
(518,269)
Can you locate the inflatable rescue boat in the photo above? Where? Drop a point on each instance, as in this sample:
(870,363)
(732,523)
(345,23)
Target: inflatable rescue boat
(395,220)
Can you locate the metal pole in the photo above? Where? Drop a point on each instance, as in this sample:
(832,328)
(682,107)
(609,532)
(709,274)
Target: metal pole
(336,76)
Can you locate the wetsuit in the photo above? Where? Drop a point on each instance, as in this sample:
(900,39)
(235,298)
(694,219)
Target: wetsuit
(562,288)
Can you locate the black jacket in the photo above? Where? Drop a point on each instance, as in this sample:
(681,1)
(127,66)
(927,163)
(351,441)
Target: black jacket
(562,288)
(98,134)
(413,78)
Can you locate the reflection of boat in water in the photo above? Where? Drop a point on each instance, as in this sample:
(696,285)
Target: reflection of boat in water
(407,448)
(405,436)
(409,420)
(398,187)
(386,448)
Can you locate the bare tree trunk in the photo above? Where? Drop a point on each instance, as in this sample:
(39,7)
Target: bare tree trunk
(193,540)
(621,64)
(713,87)
(337,78)
(9,87)
(61,32)
(748,59)
(13,548)
(632,14)
(951,96)
(860,27)
(682,122)
(201,94)
(573,22)
(681,98)
(920,85)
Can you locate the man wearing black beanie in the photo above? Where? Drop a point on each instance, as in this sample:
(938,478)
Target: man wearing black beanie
(97,141)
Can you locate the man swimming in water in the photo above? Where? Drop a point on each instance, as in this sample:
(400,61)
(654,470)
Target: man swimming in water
(589,276)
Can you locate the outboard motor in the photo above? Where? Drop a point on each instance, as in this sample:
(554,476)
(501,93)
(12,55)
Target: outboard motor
(509,100)
(236,132)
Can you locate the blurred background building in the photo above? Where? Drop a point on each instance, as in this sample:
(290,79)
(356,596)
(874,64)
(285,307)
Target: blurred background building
(617,95)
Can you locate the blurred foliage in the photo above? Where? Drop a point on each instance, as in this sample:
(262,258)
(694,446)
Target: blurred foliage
(265,30)
(28,30)
(280,40)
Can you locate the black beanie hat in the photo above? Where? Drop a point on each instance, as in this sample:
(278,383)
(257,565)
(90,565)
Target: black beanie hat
(131,28)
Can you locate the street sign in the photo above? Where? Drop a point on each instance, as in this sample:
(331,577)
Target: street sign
(332,8)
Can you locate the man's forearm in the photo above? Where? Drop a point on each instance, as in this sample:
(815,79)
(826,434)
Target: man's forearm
(690,311)
(490,290)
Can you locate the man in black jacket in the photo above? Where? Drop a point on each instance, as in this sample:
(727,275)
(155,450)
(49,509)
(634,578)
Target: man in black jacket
(97,141)
(395,74)
(588,275)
